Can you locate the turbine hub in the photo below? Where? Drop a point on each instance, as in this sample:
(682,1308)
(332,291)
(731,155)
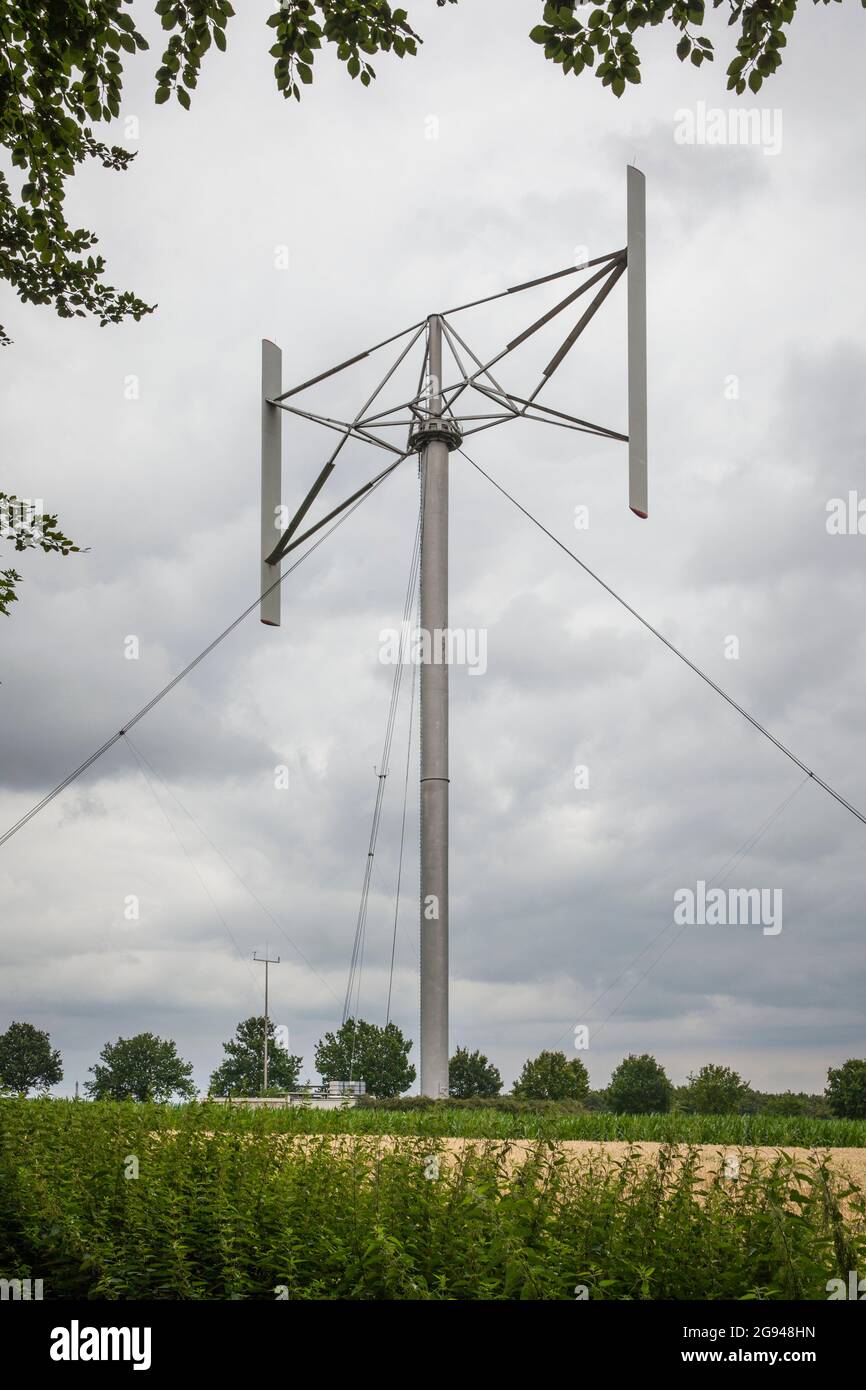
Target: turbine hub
(429,430)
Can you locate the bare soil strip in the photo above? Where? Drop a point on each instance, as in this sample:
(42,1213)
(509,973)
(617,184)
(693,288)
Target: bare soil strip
(850,1162)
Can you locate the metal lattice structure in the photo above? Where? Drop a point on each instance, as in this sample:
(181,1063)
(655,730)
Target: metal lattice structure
(442,413)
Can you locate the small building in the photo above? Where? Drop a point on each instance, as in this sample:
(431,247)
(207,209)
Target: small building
(333,1095)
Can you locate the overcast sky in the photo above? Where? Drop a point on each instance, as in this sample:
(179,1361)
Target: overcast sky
(559,895)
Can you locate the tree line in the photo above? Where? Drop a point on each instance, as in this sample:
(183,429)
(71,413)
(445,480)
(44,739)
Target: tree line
(148,1068)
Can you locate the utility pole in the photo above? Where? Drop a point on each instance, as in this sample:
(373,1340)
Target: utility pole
(435,435)
(265,961)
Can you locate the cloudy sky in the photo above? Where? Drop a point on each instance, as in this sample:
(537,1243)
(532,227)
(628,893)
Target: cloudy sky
(326,227)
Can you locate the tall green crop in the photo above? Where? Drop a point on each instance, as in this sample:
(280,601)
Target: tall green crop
(125,1201)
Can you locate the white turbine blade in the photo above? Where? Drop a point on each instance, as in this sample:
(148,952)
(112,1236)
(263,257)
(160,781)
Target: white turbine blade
(637,385)
(272,421)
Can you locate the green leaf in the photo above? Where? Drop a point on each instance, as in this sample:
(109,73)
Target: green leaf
(183,97)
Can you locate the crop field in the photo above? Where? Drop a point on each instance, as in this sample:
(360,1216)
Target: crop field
(125,1201)
(468,1122)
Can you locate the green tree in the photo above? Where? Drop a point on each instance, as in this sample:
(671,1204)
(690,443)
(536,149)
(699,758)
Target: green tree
(604,42)
(551,1076)
(714,1090)
(792,1103)
(141,1068)
(362,1051)
(62,73)
(846,1090)
(471,1074)
(20,524)
(242,1072)
(639,1086)
(27,1059)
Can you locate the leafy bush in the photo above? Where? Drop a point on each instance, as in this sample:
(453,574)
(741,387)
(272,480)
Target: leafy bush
(790,1103)
(506,1105)
(222,1208)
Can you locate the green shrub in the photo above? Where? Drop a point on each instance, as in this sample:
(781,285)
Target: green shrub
(222,1204)
(506,1105)
(792,1103)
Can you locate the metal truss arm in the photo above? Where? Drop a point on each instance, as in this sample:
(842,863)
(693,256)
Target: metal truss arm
(311,531)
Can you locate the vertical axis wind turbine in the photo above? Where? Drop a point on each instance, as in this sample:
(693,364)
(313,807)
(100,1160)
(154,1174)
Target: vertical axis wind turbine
(434,432)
